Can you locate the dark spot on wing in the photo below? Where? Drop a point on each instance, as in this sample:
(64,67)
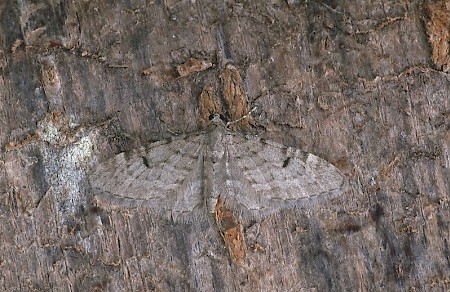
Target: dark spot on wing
(286,162)
(376,212)
(95,209)
(145,161)
(349,227)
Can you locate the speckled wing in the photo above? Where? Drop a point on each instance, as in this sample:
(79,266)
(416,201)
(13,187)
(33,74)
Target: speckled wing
(166,176)
(263,176)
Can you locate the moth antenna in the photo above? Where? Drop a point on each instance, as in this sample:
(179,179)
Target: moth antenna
(241,118)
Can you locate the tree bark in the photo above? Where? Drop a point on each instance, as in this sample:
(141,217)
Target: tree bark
(364,85)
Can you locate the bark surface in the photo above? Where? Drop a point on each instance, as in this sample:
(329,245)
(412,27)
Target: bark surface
(361,84)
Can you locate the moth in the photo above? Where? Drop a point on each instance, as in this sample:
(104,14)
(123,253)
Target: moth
(185,177)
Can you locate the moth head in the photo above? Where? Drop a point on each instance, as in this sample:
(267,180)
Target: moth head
(217,119)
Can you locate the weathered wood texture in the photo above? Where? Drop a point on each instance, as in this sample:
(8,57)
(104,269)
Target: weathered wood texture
(362,84)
